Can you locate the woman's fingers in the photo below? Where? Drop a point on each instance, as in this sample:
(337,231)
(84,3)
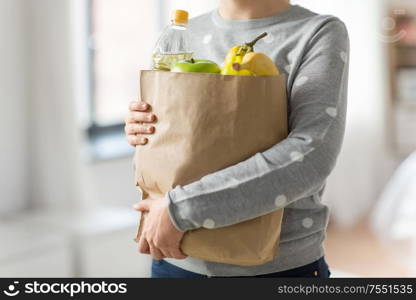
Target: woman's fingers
(134,123)
(176,253)
(135,128)
(135,116)
(155,252)
(136,140)
(139,106)
(144,246)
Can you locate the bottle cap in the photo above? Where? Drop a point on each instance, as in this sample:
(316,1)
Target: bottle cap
(180,16)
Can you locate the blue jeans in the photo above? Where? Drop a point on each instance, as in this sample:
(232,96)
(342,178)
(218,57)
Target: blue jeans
(318,269)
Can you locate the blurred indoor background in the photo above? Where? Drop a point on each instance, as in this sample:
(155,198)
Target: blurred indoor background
(68,69)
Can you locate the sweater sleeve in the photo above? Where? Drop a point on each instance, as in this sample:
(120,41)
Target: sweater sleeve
(293,169)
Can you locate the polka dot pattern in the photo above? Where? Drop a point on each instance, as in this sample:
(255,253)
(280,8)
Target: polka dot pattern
(301,81)
(208,223)
(296,156)
(269,39)
(344,56)
(307,222)
(207,39)
(332,111)
(280,201)
(308,139)
(389,23)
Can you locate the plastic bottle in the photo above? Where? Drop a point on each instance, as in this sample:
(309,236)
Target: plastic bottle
(173,44)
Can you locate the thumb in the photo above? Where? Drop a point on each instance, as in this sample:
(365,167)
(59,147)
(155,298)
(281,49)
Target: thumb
(142,206)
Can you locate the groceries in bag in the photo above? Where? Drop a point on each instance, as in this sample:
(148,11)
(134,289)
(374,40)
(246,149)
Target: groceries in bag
(243,61)
(192,142)
(196,66)
(173,44)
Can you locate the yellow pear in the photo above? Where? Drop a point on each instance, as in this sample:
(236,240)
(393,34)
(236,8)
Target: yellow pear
(259,64)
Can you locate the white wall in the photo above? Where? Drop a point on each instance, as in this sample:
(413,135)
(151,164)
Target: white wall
(364,164)
(13,112)
(54,136)
(111,182)
(40,159)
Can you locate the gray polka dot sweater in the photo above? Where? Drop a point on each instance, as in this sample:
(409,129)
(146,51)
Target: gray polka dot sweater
(312,50)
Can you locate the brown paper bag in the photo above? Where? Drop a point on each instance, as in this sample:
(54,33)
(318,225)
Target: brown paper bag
(207,122)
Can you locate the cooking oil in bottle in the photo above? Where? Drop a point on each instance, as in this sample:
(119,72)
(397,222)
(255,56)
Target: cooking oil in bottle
(163,62)
(173,44)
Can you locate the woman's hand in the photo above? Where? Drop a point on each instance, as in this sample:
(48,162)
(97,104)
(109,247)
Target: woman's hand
(159,237)
(138,123)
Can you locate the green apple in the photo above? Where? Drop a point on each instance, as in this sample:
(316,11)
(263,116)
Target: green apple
(196,66)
